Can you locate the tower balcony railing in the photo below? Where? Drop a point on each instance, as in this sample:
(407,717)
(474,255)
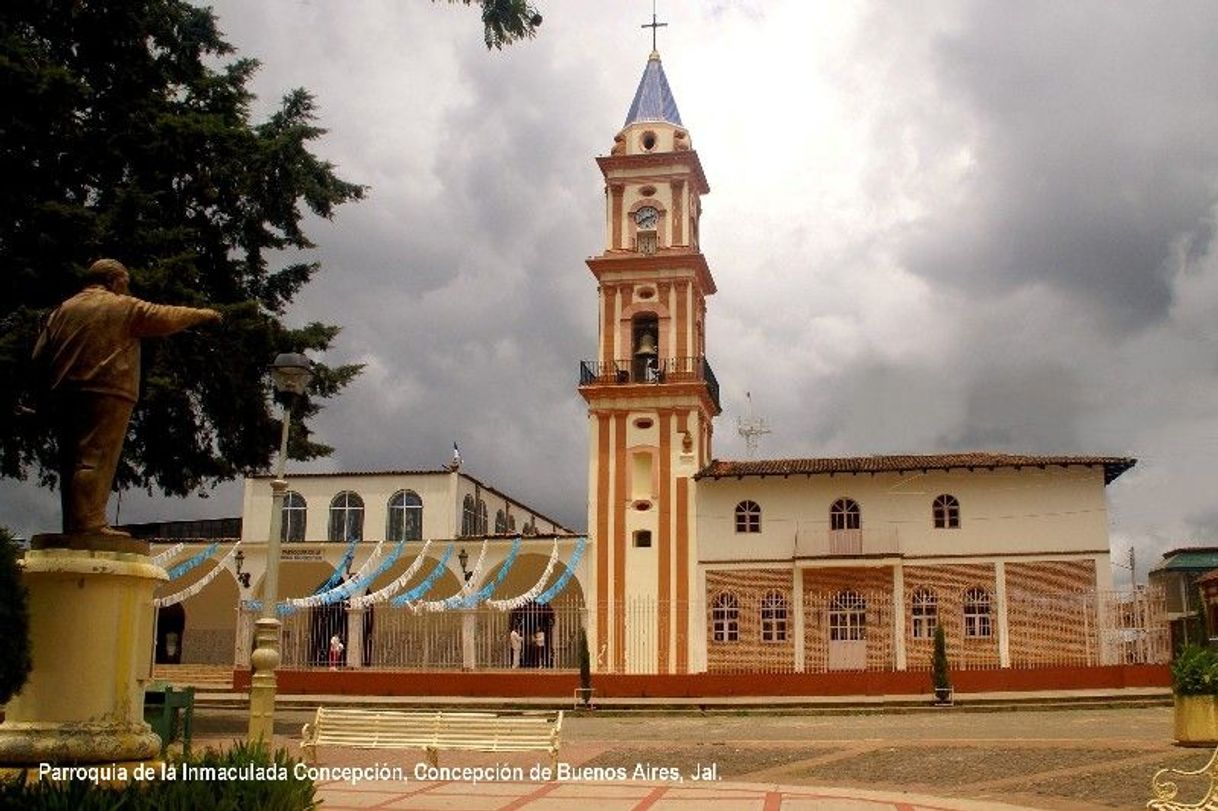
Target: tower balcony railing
(649,370)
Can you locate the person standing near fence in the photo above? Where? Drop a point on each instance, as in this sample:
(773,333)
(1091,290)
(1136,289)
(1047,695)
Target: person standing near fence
(336,652)
(516,641)
(539,642)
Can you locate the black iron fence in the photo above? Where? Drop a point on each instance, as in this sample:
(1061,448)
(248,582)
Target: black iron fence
(650,370)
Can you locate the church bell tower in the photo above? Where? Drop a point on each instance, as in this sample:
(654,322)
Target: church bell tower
(651,394)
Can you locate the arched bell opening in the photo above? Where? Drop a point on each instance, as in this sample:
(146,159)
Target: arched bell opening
(645,348)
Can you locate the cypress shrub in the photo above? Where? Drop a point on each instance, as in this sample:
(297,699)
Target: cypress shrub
(14,621)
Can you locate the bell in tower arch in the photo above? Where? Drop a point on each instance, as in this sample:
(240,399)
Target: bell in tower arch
(645,358)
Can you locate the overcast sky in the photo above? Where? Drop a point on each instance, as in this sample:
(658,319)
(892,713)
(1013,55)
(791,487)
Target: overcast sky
(933,226)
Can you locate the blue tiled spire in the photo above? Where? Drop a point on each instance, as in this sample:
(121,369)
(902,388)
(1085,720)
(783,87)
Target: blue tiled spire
(653,100)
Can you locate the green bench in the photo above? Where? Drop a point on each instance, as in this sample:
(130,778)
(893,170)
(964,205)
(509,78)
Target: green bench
(170,711)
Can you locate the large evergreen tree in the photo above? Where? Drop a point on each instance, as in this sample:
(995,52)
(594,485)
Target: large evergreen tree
(120,138)
(122,135)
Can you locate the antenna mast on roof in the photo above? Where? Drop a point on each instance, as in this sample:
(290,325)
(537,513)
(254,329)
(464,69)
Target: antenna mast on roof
(751,428)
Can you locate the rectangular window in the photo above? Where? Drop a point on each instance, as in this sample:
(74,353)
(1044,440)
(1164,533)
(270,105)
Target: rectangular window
(977,625)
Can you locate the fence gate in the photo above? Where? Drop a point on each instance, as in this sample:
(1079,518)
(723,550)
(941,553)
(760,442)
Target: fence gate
(848,632)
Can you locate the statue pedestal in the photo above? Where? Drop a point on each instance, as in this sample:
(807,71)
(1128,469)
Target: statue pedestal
(91,620)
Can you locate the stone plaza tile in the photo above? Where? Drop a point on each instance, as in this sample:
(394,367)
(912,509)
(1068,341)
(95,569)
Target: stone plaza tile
(448,802)
(508,796)
(355,798)
(486,789)
(828,803)
(566,803)
(735,803)
(611,790)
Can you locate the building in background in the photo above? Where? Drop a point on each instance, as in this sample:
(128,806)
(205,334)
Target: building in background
(1179,576)
(693,565)
(798,565)
(333,525)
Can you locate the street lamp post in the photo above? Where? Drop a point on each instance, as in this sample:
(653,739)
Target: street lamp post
(291,373)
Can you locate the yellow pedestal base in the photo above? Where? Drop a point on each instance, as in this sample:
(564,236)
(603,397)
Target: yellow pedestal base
(1196,720)
(91,618)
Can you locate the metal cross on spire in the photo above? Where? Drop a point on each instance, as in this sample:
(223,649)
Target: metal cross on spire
(653,25)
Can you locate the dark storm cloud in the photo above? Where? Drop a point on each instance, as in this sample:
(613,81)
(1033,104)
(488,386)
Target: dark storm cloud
(1093,151)
(947,226)
(475,308)
(1024,408)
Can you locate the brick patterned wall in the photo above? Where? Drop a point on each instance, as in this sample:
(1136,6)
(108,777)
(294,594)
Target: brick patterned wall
(949,583)
(873,584)
(1051,613)
(749,653)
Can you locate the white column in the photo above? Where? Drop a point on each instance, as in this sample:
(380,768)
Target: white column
(245,637)
(1004,640)
(797,606)
(898,614)
(469,658)
(355,637)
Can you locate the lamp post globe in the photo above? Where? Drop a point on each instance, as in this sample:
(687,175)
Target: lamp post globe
(291,373)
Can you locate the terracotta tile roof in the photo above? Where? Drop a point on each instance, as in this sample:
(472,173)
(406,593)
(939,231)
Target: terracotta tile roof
(302,474)
(1113,465)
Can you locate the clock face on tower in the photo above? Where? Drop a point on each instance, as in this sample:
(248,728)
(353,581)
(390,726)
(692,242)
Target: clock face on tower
(646,217)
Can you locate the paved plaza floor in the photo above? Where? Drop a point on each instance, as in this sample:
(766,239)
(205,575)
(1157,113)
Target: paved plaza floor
(1064,759)
(555,796)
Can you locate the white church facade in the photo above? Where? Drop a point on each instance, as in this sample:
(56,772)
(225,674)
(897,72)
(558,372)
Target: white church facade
(798,565)
(690,566)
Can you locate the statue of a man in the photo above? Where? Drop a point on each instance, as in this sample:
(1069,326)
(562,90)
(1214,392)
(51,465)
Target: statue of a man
(90,347)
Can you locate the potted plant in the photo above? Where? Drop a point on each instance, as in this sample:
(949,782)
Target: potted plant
(940,679)
(584,692)
(1194,681)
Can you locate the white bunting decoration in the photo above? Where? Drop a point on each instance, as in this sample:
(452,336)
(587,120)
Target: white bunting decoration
(467,588)
(168,555)
(513,603)
(198,585)
(383,594)
(342,591)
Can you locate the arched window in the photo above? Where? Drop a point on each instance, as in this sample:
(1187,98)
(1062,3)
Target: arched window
(774,617)
(347,517)
(924,613)
(725,618)
(946,511)
(511,523)
(295,511)
(844,514)
(748,517)
(847,617)
(483,526)
(405,517)
(529,527)
(469,515)
(977,613)
(500,522)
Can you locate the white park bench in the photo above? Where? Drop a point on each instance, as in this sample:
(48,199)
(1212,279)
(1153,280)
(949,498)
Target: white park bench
(432,731)
(1165,789)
